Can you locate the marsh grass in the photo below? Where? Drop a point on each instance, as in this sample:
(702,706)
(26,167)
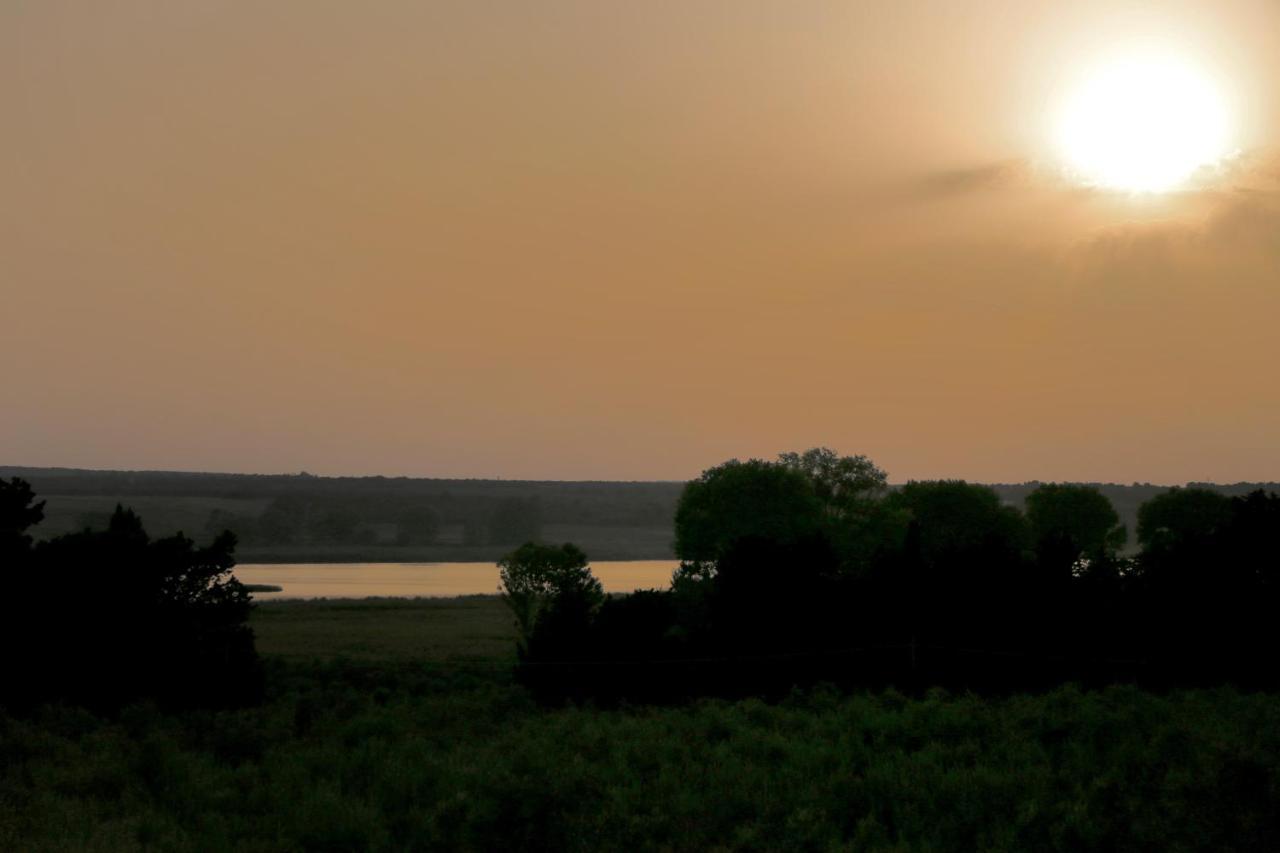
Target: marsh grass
(475,628)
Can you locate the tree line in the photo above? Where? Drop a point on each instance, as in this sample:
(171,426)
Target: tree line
(807,568)
(811,568)
(269,511)
(321,520)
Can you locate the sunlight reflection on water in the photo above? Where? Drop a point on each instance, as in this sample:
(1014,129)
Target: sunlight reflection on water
(428,580)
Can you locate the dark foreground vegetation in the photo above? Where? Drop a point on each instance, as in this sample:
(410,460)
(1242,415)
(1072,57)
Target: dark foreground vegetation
(836,666)
(401,750)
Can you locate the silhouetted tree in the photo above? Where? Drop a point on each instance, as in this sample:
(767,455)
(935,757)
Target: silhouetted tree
(538,578)
(856,522)
(636,626)
(957,517)
(969,584)
(555,599)
(1202,596)
(1071,525)
(19,512)
(769,596)
(952,587)
(1180,517)
(844,484)
(744,499)
(105,616)
(1253,542)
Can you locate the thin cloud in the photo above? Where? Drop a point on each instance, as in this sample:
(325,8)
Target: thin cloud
(997,175)
(1238,240)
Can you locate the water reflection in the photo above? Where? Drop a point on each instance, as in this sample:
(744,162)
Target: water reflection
(408,580)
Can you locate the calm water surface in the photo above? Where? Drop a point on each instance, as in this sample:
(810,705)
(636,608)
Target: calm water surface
(408,580)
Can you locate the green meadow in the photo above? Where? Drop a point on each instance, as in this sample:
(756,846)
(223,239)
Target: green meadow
(428,631)
(395,725)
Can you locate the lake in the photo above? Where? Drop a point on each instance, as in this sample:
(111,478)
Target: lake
(426,580)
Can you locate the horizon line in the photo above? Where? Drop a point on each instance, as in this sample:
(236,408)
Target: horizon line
(309,475)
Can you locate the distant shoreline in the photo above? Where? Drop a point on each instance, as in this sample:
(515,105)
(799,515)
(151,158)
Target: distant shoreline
(487,555)
(275,516)
(424,562)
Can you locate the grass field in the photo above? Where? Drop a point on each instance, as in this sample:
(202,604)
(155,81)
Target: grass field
(395,725)
(478,628)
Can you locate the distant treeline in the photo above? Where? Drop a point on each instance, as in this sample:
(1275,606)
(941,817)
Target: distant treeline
(302,511)
(326,520)
(305,510)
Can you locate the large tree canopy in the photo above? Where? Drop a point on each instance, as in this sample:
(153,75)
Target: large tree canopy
(802,495)
(737,499)
(844,484)
(955,517)
(1182,516)
(1070,521)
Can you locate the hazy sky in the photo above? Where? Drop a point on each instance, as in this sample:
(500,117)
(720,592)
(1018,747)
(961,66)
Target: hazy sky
(623,240)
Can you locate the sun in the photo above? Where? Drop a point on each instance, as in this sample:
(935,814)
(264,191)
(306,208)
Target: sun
(1143,124)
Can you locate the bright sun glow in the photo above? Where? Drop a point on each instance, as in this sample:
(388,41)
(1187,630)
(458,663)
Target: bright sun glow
(1144,125)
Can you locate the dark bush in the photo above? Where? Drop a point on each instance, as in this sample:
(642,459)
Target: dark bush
(101,617)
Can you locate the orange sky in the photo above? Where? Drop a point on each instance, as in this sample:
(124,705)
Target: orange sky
(619,240)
